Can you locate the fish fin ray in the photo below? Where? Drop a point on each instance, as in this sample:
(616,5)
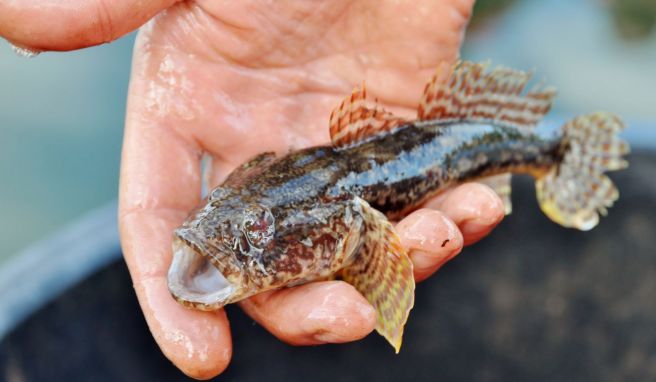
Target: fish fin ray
(576,191)
(382,273)
(467,91)
(501,184)
(357,120)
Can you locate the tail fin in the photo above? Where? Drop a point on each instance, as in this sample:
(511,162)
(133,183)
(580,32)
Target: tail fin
(574,192)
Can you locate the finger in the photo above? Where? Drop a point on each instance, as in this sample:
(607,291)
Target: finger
(197,342)
(314,313)
(160,183)
(431,239)
(68,25)
(475,208)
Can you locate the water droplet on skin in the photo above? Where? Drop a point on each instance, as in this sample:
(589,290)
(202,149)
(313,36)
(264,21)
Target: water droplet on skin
(24,52)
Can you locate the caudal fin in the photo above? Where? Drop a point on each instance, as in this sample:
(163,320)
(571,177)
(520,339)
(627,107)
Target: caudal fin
(574,192)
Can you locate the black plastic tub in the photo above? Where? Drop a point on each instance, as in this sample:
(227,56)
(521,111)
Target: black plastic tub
(532,302)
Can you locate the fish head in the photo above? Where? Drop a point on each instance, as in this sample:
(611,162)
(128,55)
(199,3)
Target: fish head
(218,252)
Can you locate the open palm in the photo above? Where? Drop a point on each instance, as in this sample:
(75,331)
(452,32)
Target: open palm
(234,79)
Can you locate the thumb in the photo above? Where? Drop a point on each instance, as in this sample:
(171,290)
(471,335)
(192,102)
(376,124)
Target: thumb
(67,25)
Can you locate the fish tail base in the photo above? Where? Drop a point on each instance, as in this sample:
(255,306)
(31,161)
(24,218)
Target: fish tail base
(575,191)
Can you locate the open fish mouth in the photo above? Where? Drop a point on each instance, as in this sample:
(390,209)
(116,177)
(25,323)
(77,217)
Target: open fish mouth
(195,280)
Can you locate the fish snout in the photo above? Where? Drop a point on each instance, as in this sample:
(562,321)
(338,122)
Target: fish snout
(195,280)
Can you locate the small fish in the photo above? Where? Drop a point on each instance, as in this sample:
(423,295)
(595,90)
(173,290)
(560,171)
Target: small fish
(325,211)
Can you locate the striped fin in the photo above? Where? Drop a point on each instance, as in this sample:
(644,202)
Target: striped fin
(356,120)
(382,273)
(467,91)
(576,191)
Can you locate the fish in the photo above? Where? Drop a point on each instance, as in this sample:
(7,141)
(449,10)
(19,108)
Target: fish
(326,212)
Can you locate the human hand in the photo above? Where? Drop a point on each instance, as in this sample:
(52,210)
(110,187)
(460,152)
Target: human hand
(234,79)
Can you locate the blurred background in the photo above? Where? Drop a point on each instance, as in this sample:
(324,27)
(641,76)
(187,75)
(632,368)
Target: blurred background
(61,123)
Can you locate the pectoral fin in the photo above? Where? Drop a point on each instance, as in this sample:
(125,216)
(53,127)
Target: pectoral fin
(382,273)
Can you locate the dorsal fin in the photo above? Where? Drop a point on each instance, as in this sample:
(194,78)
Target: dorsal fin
(467,91)
(356,120)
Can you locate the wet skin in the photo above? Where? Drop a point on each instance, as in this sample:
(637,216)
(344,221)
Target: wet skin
(238,78)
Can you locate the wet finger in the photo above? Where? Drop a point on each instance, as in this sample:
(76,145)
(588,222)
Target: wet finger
(199,343)
(160,183)
(68,25)
(314,313)
(475,208)
(431,239)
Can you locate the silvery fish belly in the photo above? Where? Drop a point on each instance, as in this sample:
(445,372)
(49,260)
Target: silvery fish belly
(324,212)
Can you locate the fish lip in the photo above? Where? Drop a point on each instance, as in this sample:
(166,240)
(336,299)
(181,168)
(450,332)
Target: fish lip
(193,279)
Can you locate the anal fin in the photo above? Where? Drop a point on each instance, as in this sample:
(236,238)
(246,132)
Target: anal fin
(382,273)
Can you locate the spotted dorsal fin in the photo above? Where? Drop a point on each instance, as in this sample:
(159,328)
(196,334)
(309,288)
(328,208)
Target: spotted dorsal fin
(357,120)
(468,91)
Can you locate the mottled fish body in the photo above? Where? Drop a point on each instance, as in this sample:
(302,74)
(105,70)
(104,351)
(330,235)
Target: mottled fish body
(323,211)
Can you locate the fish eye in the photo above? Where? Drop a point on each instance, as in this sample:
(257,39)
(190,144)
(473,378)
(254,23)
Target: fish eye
(258,226)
